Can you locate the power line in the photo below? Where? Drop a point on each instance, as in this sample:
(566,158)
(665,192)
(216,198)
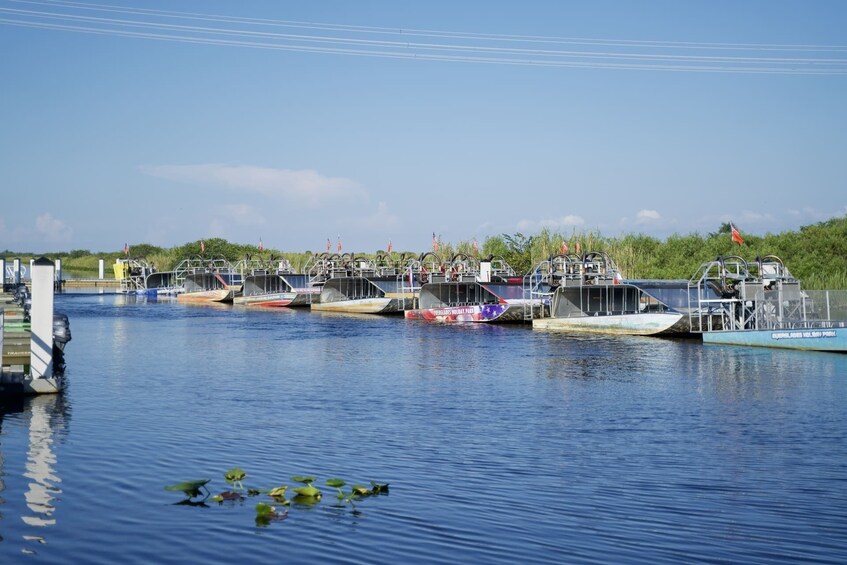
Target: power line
(163,25)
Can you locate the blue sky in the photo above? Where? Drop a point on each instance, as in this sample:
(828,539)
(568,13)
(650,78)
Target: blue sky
(478,118)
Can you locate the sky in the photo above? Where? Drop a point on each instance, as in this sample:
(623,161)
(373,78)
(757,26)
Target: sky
(294,122)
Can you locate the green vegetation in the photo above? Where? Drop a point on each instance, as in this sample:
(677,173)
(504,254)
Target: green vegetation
(816,254)
(306,496)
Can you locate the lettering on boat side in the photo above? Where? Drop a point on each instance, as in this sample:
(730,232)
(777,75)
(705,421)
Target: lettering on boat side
(452,311)
(804,335)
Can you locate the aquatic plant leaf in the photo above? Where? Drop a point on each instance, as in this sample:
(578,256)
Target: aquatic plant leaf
(278,491)
(253,492)
(217,498)
(235,474)
(306,500)
(263,509)
(229,495)
(308,491)
(335,483)
(303,479)
(360,490)
(190,488)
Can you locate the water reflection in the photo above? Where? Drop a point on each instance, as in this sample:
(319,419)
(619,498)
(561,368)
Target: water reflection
(28,433)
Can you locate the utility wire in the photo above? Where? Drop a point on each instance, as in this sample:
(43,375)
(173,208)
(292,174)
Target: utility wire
(165,25)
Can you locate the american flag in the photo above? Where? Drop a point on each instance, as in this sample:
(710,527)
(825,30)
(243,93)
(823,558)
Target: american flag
(389,246)
(434,242)
(736,236)
(564,248)
(202,246)
(328,245)
(339,245)
(261,247)
(126,249)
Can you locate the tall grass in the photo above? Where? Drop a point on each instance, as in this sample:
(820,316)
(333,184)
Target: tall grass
(815,254)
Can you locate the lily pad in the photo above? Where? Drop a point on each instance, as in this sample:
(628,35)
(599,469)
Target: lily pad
(335,483)
(265,514)
(278,491)
(308,490)
(306,500)
(263,509)
(190,488)
(234,476)
(303,479)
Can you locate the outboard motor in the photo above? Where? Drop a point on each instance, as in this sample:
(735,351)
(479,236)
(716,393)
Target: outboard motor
(61,329)
(21,295)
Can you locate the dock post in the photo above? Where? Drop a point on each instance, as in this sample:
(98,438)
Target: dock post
(16,270)
(41,319)
(58,284)
(101,269)
(2,275)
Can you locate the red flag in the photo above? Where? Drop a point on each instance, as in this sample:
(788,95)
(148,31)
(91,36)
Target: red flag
(328,245)
(126,249)
(434,242)
(339,245)
(475,246)
(389,246)
(261,247)
(577,248)
(564,248)
(202,246)
(736,237)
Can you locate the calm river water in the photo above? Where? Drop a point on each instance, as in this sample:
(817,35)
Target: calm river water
(500,444)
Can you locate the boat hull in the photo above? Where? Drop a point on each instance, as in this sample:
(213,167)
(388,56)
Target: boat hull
(502,312)
(810,339)
(216,295)
(277,299)
(383,305)
(658,323)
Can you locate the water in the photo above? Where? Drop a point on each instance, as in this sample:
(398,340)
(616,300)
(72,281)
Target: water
(500,444)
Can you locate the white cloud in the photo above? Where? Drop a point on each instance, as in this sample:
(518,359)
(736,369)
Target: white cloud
(569,221)
(647,216)
(306,187)
(53,229)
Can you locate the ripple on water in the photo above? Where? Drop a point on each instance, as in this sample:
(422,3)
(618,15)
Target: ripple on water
(500,444)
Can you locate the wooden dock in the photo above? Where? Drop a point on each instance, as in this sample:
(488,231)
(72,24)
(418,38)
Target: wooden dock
(15,339)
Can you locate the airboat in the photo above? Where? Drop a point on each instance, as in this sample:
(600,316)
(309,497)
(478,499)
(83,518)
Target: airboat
(760,303)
